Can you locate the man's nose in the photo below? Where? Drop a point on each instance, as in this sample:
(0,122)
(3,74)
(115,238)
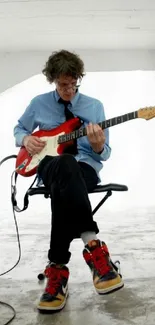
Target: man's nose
(70,90)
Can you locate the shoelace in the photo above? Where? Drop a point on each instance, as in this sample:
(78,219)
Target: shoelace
(100,260)
(54,276)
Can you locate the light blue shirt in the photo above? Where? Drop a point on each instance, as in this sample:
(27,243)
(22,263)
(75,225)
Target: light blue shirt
(45,112)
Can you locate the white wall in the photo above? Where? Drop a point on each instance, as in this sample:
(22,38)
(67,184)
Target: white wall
(18,66)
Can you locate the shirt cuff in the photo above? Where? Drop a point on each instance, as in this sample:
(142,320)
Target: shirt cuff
(19,139)
(103,155)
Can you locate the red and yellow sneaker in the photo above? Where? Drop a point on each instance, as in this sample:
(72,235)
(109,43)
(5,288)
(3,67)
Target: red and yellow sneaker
(56,291)
(105,274)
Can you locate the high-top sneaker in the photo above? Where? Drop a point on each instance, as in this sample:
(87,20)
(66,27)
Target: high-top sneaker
(105,274)
(56,291)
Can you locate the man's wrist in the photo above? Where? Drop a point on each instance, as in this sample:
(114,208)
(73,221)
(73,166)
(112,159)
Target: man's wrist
(99,151)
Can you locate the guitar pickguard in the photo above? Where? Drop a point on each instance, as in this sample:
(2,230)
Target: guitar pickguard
(50,149)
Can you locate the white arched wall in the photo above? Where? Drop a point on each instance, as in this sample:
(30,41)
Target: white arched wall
(16,67)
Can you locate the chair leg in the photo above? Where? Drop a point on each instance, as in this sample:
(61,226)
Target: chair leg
(109,193)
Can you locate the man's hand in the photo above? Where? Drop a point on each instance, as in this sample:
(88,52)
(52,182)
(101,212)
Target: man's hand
(96,137)
(33,144)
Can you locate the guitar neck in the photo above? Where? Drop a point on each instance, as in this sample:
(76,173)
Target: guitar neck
(104,125)
(118,120)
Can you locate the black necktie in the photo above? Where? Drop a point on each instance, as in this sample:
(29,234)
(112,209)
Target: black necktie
(69,115)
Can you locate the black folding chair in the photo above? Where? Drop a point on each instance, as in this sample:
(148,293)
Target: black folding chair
(108,188)
(34,190)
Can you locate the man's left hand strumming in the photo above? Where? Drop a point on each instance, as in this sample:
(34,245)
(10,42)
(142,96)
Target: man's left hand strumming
(96,137)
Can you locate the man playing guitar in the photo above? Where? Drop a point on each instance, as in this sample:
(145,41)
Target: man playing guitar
(69,177)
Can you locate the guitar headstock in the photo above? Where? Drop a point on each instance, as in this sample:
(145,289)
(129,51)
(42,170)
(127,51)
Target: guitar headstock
(147,113)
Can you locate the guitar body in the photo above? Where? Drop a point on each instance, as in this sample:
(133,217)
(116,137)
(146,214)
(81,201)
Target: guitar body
(26,165)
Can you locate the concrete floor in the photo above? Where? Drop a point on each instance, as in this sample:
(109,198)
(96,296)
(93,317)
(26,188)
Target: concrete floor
(130,238)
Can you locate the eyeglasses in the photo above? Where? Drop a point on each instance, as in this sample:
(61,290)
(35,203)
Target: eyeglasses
(72,85)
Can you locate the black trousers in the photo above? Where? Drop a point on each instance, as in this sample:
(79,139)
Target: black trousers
(69,183)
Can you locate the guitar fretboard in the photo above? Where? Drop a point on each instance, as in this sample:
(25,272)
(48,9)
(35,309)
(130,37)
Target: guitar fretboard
(104,125)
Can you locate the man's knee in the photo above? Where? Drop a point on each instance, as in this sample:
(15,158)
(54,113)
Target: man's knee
(68,164)
(63,167)
(67,159)
(62,160)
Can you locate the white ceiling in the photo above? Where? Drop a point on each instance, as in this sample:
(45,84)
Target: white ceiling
(76,24)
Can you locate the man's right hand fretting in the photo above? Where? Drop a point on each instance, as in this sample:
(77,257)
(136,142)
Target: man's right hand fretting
(33,144)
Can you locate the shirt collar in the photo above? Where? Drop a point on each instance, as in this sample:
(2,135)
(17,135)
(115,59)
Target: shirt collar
(73,101)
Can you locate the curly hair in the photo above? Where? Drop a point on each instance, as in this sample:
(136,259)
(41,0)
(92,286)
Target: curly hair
(63,63)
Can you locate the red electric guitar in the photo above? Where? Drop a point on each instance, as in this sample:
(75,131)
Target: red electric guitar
(58,139)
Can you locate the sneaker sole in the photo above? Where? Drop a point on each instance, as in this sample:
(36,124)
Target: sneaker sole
(111,289)
(58,308)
